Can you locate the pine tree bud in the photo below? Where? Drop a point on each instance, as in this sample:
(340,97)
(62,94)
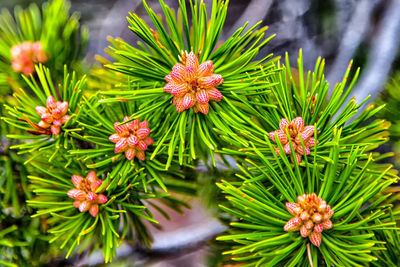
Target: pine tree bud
(131,138)
(311,217)
(193,85)
(85,193)
(298,136)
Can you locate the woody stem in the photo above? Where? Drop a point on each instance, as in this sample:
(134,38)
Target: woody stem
(309,255)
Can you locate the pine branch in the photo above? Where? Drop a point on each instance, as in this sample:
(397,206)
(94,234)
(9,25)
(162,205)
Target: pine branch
(150,62)
(259,232)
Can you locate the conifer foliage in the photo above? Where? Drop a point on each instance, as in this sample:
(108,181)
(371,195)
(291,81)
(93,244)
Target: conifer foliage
(48,35)
(89,158)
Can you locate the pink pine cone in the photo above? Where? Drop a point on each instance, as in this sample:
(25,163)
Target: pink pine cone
(131,138)
(85,193)
(25,55)
(53,116)
(298,135)
(311,216)
(193,84)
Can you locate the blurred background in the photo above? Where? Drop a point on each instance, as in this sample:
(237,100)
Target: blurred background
(367,31)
